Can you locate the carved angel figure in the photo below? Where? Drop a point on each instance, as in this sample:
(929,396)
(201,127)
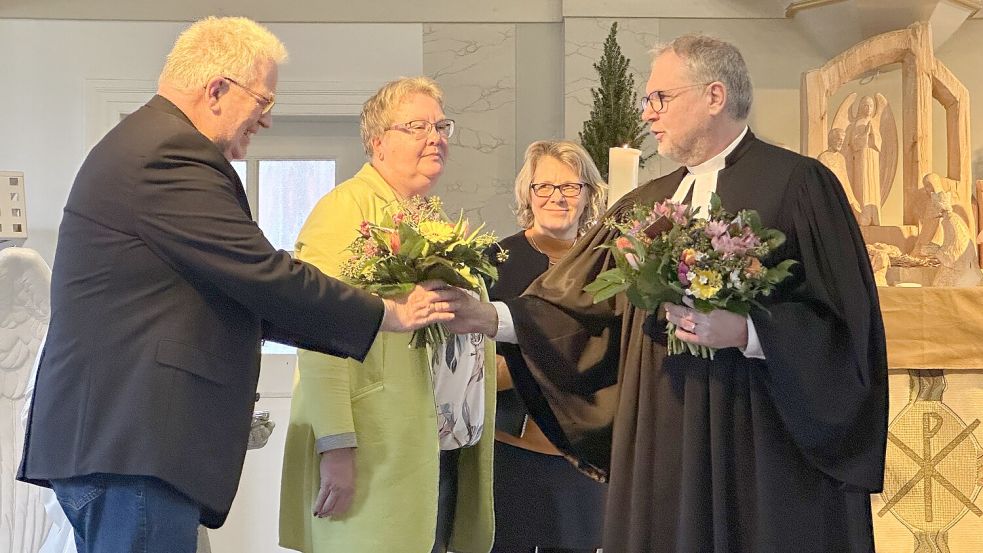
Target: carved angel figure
(24,313)
(869,150)
(865,140)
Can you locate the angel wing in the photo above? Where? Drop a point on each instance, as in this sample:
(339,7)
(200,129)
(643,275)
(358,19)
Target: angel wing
(880,102)
(24,312)
(888,127)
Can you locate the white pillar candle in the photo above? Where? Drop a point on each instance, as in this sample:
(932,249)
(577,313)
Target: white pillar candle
(622,172)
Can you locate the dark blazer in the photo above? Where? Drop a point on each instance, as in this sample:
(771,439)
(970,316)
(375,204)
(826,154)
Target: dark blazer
(162,289)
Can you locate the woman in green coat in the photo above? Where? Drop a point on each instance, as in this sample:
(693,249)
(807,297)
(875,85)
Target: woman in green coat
(363,470)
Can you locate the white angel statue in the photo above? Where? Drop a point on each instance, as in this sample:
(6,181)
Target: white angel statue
(24,313)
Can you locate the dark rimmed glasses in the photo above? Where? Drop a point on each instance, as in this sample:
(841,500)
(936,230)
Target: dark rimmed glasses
(421,128)
(263,101)
(658,99)
(567,189)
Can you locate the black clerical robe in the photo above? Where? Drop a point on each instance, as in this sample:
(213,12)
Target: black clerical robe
(734,455)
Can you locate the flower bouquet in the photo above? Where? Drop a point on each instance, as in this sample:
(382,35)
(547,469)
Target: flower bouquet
(416,243)
(665,253)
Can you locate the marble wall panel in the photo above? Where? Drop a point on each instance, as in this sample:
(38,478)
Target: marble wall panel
(475,66)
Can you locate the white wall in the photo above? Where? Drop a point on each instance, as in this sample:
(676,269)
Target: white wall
(45,65)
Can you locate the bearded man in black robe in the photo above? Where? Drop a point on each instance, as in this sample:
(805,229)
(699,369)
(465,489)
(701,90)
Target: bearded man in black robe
(774,445)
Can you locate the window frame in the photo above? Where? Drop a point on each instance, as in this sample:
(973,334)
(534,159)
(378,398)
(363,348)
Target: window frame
(251,184)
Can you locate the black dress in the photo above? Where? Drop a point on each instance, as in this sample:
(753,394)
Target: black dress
(733,455)
(540,500)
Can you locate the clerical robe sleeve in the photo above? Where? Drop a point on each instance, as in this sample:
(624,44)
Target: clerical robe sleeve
(823,336)
(568,372)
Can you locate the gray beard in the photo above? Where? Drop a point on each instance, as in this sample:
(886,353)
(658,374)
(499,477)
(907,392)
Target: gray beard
(692,152)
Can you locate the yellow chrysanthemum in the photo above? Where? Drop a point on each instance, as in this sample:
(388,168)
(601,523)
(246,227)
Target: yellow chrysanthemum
(705,283)
(436,231)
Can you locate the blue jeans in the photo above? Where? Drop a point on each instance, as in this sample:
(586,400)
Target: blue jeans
(114,513)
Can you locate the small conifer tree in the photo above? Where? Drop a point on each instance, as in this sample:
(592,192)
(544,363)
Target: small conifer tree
(615,118)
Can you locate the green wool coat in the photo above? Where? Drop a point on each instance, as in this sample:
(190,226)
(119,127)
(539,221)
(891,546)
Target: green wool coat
(388,403)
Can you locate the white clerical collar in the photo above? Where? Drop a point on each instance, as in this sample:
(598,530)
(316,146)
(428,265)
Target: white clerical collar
(719,161)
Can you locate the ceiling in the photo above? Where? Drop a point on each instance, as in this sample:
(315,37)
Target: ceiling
(835,25)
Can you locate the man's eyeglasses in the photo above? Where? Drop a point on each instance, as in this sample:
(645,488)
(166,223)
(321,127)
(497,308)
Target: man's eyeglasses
(266,103)
(567,189)
(422,129)
(658,99)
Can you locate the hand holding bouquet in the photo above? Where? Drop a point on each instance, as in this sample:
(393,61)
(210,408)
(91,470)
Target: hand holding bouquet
(416,243)
(665,254)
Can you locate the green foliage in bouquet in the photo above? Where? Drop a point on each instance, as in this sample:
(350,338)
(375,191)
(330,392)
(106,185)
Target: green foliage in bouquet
(665,253)
(414,244)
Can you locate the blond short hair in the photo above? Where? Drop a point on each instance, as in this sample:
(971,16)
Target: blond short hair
(233,47)
(377,112)
(574,156)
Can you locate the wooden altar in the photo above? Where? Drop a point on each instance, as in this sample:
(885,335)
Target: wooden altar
(934,466)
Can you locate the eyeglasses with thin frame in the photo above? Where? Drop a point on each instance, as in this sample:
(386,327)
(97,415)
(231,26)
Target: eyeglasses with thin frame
(422,128)
(658,100)
(266,103)
(567,189)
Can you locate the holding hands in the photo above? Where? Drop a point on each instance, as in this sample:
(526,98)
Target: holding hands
(435,301)
(428,303)
(471,314)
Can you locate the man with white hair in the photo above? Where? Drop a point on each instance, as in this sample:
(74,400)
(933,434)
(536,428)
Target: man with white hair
(162,289)
(774,445)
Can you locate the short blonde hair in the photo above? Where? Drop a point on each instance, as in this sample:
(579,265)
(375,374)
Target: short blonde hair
(377,112)
(574,156)
(231,47)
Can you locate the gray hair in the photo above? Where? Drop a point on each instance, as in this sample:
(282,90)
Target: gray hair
(574,156)
(709,60)
(377,112)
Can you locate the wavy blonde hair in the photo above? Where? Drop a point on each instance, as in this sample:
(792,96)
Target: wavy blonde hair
(377,112)
(233,47)
(574,156)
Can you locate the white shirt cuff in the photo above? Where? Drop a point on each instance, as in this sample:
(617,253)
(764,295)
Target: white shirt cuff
(753,349)
(506,328)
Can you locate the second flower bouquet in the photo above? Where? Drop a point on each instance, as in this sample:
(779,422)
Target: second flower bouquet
(666,253)
(417,243)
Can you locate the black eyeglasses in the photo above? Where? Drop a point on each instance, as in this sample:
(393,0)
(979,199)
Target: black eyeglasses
(266,103)
(422,128)
(657,99)
(567,189)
